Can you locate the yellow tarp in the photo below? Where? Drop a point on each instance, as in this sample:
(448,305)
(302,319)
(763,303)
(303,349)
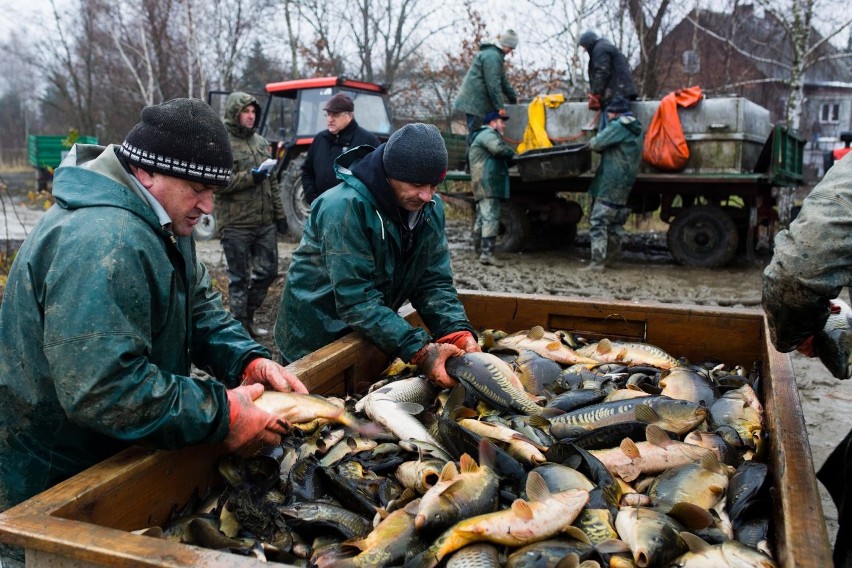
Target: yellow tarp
(535,135)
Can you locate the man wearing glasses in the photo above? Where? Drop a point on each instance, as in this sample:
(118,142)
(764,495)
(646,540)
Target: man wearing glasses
(343,133)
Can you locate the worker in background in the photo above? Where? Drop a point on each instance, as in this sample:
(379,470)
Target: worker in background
(490,157)
(107,306)
(249,212)
(811,264)
(609,72)
(829,158)
(342,134)
(485,83)
(369,245)
(620,147)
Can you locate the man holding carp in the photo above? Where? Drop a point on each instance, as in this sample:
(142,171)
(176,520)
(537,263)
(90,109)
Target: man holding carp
(107,307)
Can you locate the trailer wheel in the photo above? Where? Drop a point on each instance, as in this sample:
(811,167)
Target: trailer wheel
(205,228)
(296,207)
(703,236)
(514,228)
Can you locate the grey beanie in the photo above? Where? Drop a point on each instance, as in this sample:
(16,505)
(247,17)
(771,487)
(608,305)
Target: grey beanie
(416,153)
(182,138)
(508,39)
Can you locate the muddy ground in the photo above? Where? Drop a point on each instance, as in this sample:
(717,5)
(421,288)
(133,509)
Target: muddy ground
(646,274)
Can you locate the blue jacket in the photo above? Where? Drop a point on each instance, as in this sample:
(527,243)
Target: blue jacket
(357,265)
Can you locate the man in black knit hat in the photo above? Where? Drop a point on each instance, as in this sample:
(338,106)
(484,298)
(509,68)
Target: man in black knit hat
(107,306)
(370,244)
(343,134)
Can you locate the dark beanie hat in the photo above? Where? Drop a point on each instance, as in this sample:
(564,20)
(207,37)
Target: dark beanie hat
(416,153)
(182,138)
(588,38)
(619,105)
(339,103)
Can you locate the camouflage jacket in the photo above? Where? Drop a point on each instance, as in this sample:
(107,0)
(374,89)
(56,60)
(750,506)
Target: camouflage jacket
(489,164)
(243,203)
(812,261)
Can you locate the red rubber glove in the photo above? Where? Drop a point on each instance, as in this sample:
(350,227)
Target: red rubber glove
(249,424)
(431,361)
(269,373)
(806,347)
(463,340)
(594,101)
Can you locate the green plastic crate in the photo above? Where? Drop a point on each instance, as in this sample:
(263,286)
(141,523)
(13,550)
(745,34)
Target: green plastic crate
(47,151)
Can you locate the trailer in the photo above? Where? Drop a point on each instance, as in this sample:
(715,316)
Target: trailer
(86,520)
(46,152)
(740,179)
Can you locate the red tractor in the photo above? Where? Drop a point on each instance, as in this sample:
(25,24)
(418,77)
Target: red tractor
(292,115)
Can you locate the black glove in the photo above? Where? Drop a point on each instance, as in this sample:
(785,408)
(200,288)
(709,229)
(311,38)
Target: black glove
(259,175)
(281,226)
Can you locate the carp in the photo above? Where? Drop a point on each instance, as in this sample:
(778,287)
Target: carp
(518,445)
(493,381)
(657,454)
(702,483)
(546,344)
(629,353)
(544,516)
(296,408)
(685,384)
(678,416)
(730,553)
(420,475)
(653,537)
(739,410)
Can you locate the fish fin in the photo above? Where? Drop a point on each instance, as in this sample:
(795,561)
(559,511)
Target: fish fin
(570,560)
(542,421)
(487,454)
(657,436)
(535,332)
(629,448)
(522,509)
(716,489)
(576,534)
(612,546)
(410,407)
(621,354)
(467,464)
(449,472)
(554,346)
(696,544)
(412,507)
(646,414)
(710,462)
(631,386)
(604,346)
(536,487)
(463,412)
(691,516)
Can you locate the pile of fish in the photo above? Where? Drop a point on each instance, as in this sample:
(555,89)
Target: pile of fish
(550,452)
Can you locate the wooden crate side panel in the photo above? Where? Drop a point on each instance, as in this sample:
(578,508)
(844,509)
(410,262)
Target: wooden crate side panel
(802,539)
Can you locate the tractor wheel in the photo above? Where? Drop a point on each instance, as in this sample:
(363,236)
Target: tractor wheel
(205,228)
(703,236)
(296,208)
(514,228)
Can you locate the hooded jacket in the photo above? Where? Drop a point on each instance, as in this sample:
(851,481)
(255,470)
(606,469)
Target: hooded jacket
(103,313)
(318,168)
(489,164)
(357,264)
(243,203)
(609,72)
(620,146)
(485,83)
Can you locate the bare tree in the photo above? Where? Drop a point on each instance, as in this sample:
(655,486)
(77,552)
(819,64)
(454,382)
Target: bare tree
(647,22)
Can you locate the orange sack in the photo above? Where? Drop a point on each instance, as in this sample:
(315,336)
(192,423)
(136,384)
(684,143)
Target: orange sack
(665,146)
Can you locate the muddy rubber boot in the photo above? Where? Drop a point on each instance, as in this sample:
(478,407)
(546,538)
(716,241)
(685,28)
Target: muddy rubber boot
(613,251)
(487,257)
(476,241)
(254,329)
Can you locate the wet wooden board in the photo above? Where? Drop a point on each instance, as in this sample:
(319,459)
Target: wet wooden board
(84,521)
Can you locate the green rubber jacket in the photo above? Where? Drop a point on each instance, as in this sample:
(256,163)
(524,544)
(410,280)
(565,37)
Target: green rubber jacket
(349,273)
(620,146)
(104,311)
(485,83)
(489,166)
(243,203)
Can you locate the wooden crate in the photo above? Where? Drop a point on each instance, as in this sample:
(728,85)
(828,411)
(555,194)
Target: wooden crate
(84,521)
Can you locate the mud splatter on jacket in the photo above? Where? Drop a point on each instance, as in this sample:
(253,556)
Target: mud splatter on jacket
(351,271)
(489,167)
(102,316)
(620,146)
(812,261)
(243,203)
(485,83)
